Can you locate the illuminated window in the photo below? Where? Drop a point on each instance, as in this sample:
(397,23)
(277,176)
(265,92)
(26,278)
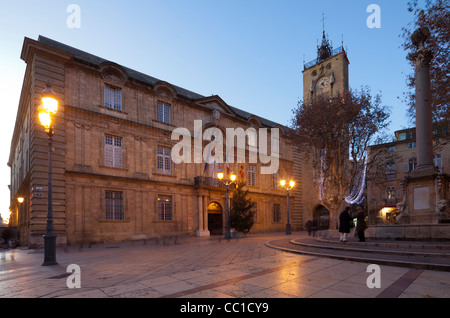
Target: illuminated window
(164,208)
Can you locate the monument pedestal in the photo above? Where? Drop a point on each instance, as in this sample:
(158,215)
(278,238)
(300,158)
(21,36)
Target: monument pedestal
(426,197)
(421,195)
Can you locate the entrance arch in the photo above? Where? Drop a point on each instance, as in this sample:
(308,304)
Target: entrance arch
(215,219)
(321,216)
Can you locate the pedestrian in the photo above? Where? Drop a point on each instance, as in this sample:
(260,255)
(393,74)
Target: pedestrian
(314,227)
(308,227)
(344,224)
(361,225)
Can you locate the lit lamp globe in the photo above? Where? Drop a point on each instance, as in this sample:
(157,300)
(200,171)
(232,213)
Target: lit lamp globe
(220,175)
(49,99)
(45,120)
(291,183)
(232,177)
(282,183)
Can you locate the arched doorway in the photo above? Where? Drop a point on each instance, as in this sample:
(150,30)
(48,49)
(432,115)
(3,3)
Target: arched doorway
(321,217)
(215,220)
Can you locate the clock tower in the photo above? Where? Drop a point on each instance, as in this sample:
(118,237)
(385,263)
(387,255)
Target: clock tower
(327,74)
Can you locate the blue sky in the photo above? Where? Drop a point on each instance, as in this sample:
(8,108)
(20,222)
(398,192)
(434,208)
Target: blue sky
(249,52)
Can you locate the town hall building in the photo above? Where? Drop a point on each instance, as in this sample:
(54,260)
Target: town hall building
(114,177)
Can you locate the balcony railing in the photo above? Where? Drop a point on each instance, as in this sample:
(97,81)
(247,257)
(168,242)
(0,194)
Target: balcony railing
(334,52)
(391,202)
(208,182)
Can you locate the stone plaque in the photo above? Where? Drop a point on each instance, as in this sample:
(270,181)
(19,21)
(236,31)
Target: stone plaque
(421,198)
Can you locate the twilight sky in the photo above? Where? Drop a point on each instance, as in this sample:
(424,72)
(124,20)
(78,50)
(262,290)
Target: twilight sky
(249,52)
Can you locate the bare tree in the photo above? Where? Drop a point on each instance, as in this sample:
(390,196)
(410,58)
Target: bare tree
(338,131)
(436,17)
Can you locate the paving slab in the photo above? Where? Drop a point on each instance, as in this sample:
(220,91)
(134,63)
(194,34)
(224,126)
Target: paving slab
(211,268)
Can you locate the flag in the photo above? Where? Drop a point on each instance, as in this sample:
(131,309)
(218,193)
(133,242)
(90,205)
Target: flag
(242,172)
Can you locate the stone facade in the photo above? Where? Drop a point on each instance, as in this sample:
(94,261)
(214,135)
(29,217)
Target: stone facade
(391,164)
(113,178)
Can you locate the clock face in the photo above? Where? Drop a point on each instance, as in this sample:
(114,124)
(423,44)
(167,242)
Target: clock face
(323,84)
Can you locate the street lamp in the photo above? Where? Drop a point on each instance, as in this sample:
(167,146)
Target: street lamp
(287,187)
(50,105)
(227,183)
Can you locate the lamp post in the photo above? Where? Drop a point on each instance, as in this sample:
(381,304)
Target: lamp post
(287,187)
(50,105)
(227,216)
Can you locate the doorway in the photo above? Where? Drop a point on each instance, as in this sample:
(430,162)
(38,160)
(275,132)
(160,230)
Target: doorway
(321,217)
(215,220)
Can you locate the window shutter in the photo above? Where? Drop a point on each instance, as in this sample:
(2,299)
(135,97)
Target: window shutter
(405,167)
(118,157)
(167,113)
(160,112)
(108,156)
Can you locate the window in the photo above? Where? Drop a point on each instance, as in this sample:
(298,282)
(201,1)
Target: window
(251,175)
(437,160)
(391,193)
(410,165)
(255,212)
(276,184)
(390,170)
(251,137)
(163,112)
(407,136)
(164,208)
(276,213)
(114,205)
(113,152)
(390,149)
(113,97)
(412,144)
(164,160)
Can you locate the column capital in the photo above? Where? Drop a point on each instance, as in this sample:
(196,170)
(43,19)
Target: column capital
(422,57)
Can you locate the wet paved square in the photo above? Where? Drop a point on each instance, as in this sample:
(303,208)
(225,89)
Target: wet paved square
(208,268)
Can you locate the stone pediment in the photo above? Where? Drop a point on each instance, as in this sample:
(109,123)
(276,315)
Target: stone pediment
(216,103)
(113,74)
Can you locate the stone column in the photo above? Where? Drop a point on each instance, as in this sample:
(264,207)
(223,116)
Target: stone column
(205,214)
(424,130)
(200,214)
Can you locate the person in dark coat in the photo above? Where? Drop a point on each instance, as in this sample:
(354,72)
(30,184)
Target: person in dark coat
(361,225)
(344,224)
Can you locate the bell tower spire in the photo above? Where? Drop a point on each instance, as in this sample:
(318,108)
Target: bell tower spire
(325,49)
(328,72)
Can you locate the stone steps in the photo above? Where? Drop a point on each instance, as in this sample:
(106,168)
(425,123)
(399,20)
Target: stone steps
(419,255)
